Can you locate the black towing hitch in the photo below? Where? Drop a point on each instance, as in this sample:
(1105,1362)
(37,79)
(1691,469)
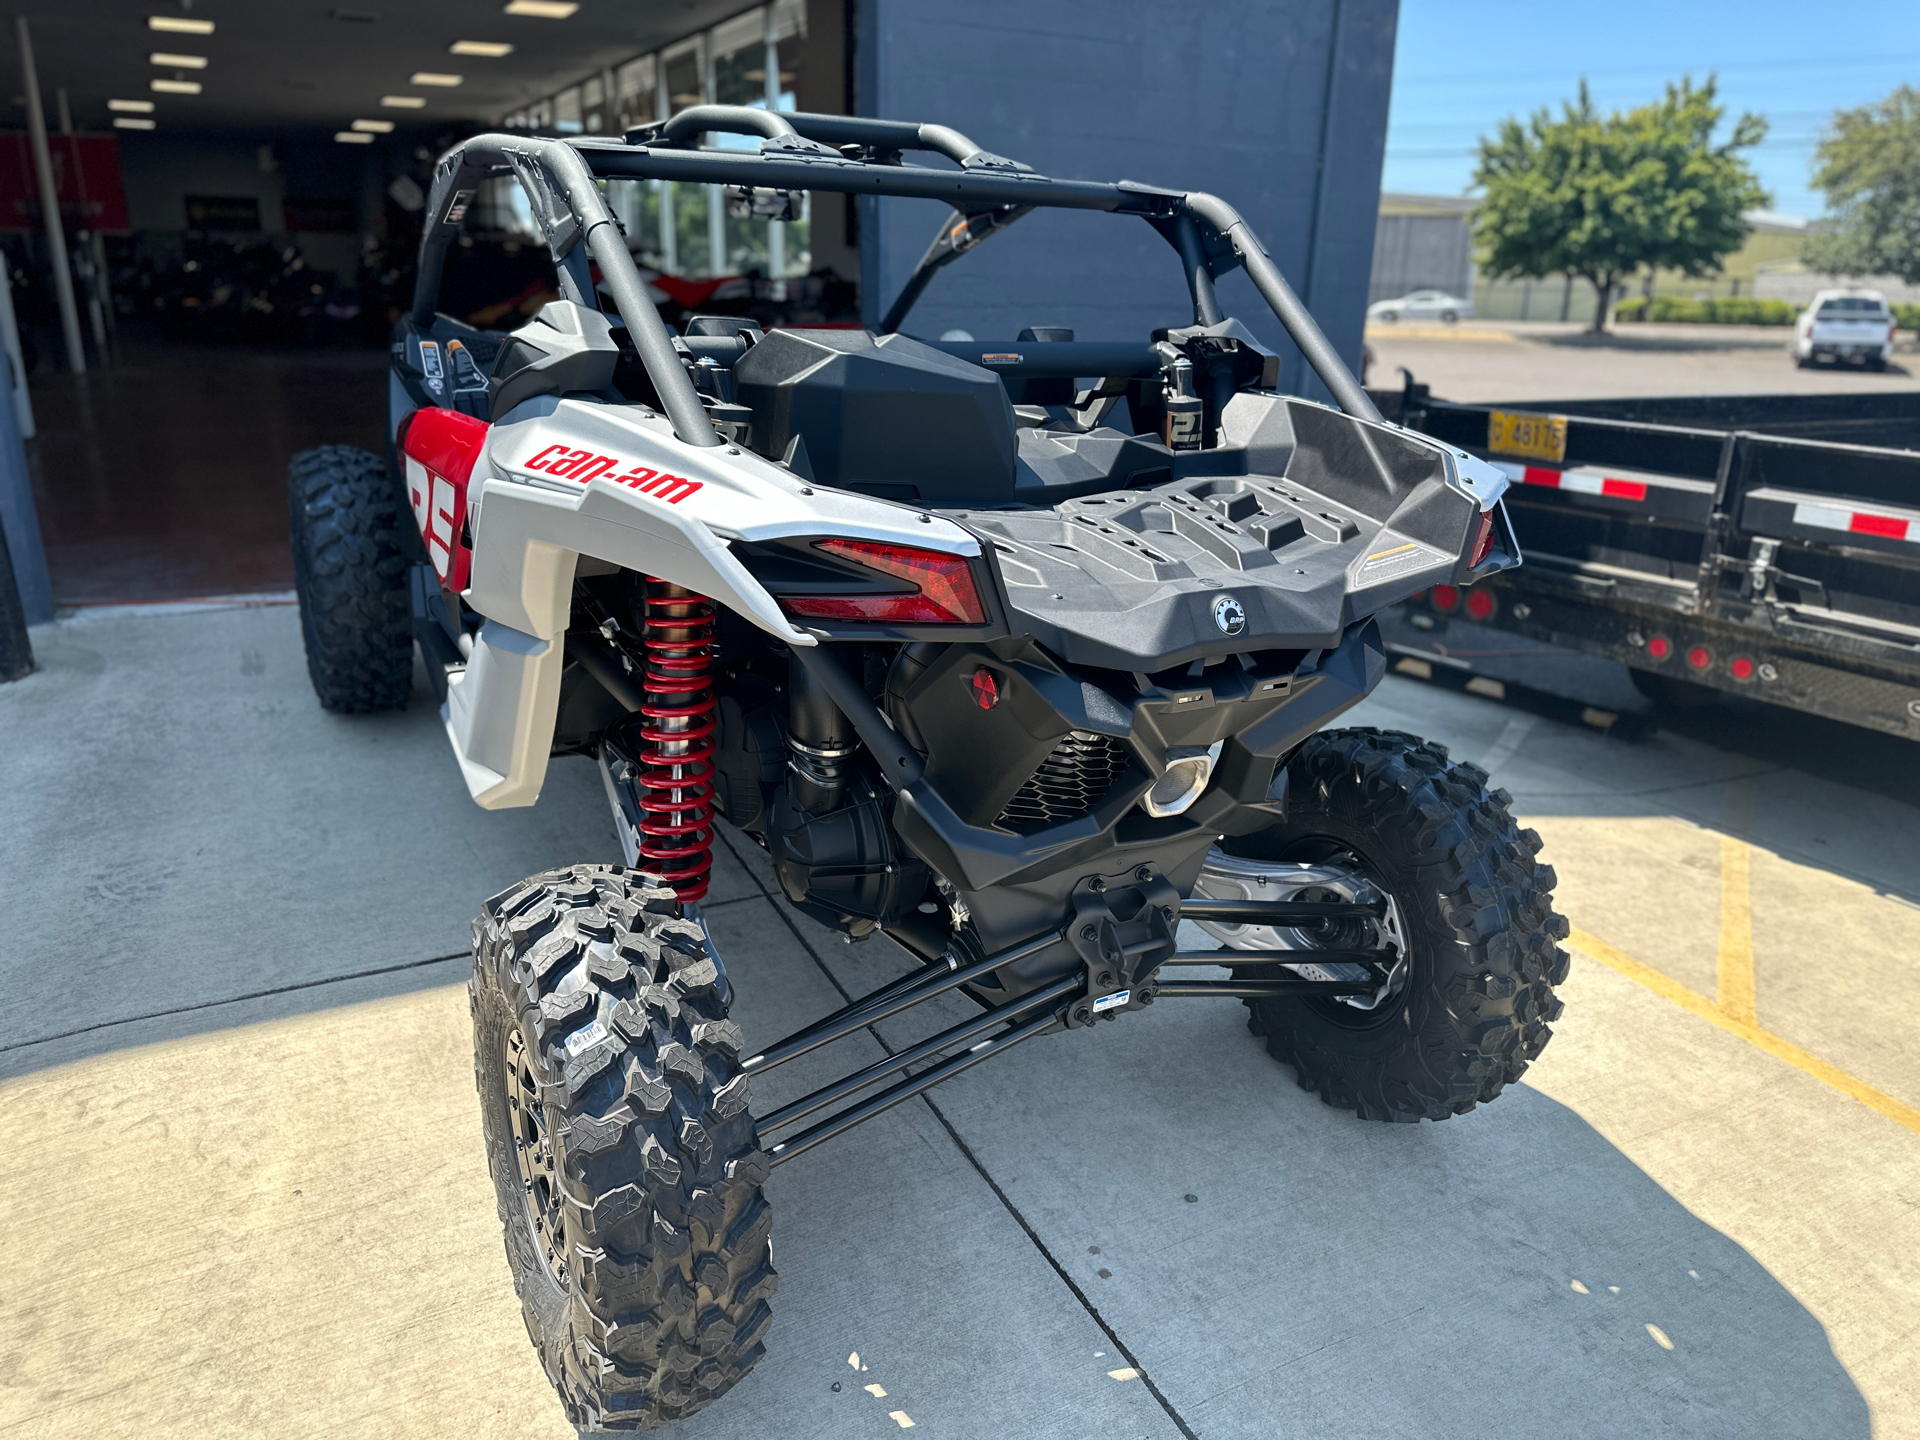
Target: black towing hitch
(1124,939)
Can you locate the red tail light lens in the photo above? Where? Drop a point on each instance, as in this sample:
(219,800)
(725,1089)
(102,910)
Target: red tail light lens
(1446,597)
(1481,604)
(1482,540)
(943,593)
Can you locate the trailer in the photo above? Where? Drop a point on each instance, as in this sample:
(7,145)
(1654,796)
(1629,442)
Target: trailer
(1760,545)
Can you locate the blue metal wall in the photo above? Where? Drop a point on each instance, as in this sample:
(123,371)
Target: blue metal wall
(1279,108)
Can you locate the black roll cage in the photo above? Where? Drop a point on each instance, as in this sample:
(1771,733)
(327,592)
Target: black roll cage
(837,153)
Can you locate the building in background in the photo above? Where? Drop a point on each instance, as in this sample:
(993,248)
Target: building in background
(1426,242)
(1422,242)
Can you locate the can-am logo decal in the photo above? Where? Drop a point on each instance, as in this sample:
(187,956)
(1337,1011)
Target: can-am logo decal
(586,467)
(1230,615)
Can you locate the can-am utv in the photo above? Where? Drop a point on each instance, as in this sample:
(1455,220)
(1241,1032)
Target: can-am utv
(1019,670)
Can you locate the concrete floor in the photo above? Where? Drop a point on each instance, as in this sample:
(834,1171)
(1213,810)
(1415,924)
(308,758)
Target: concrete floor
(1482,360)
(247,1196)
(164,475)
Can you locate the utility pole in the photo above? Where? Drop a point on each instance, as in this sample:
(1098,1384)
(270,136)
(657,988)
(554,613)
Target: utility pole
(50,205)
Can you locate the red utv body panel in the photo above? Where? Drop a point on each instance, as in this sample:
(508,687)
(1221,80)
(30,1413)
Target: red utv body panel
(437,451)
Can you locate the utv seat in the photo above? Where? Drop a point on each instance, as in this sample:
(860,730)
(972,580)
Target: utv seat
(884,415)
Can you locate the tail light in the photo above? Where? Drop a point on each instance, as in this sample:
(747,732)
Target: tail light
(1446,597)
(943,590)
(1481,604)
(1482,540)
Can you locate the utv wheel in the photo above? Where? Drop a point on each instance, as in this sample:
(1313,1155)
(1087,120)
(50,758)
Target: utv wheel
(350,555)
(1471,1007)
(625,1163)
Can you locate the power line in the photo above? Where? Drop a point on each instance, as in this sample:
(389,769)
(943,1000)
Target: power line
(1720,69)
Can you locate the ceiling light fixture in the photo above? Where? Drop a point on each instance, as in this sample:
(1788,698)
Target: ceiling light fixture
(179,25)
(121,122)
(490,49)
(404,102)
(374,127)
(542,9)
(177,62)
(132,107)
(430,77)
(352,137)
(174,87)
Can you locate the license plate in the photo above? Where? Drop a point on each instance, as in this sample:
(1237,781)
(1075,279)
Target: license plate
(1536,437)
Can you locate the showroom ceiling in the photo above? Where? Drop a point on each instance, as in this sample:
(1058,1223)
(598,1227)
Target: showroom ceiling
(291,64)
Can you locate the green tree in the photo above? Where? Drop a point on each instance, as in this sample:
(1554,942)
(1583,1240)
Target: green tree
(1868,165)
(1598,197)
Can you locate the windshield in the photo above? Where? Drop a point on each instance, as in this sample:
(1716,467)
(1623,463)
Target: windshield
(1852,308)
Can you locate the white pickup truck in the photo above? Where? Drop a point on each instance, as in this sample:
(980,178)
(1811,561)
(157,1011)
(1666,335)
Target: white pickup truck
(1844,325)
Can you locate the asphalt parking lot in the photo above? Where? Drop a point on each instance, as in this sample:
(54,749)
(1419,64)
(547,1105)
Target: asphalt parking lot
(1481,360)
(247,1194)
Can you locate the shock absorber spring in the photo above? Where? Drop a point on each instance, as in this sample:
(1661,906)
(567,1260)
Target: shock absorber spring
(677,739)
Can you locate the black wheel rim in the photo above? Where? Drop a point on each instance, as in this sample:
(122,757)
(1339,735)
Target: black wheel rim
(533,1153)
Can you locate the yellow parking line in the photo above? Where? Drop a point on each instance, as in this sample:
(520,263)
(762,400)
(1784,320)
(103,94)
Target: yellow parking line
(1735,968)
(1671,989)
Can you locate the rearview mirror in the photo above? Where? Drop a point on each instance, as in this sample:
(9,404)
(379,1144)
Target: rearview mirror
(757,202)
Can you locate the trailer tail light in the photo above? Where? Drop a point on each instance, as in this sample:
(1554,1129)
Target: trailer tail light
(1699,657)
(1481,604)
(1446,597)
(1659,647)
(1741,668)
(943,593)
(1482,541)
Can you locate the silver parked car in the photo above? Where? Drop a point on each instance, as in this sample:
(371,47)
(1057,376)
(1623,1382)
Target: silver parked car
(1421,305)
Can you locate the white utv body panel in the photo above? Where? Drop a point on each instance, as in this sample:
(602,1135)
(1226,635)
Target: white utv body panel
(563,478)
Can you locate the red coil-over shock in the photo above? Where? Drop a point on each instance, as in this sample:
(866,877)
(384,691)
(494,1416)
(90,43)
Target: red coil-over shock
(677,735)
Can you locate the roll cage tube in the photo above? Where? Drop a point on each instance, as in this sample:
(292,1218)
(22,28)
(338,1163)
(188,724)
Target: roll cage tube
(837,154)
(573,216)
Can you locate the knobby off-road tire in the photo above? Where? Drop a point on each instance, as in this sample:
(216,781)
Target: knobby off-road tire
(635,1228)
(1476,910)
(351,539)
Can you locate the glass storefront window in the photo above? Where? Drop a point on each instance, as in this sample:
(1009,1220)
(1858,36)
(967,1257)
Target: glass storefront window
(685,242)
(593,107)
(786,43)
(639,94)
(753,59)
(739,50)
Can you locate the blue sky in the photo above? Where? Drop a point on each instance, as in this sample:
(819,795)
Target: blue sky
(1462,66)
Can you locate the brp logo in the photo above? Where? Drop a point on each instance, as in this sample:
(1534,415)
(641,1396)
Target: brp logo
(1230,615)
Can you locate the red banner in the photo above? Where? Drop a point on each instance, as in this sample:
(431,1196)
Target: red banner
(86,175)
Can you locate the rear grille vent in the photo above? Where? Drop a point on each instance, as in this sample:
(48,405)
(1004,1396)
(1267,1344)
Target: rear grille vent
(1068,784)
